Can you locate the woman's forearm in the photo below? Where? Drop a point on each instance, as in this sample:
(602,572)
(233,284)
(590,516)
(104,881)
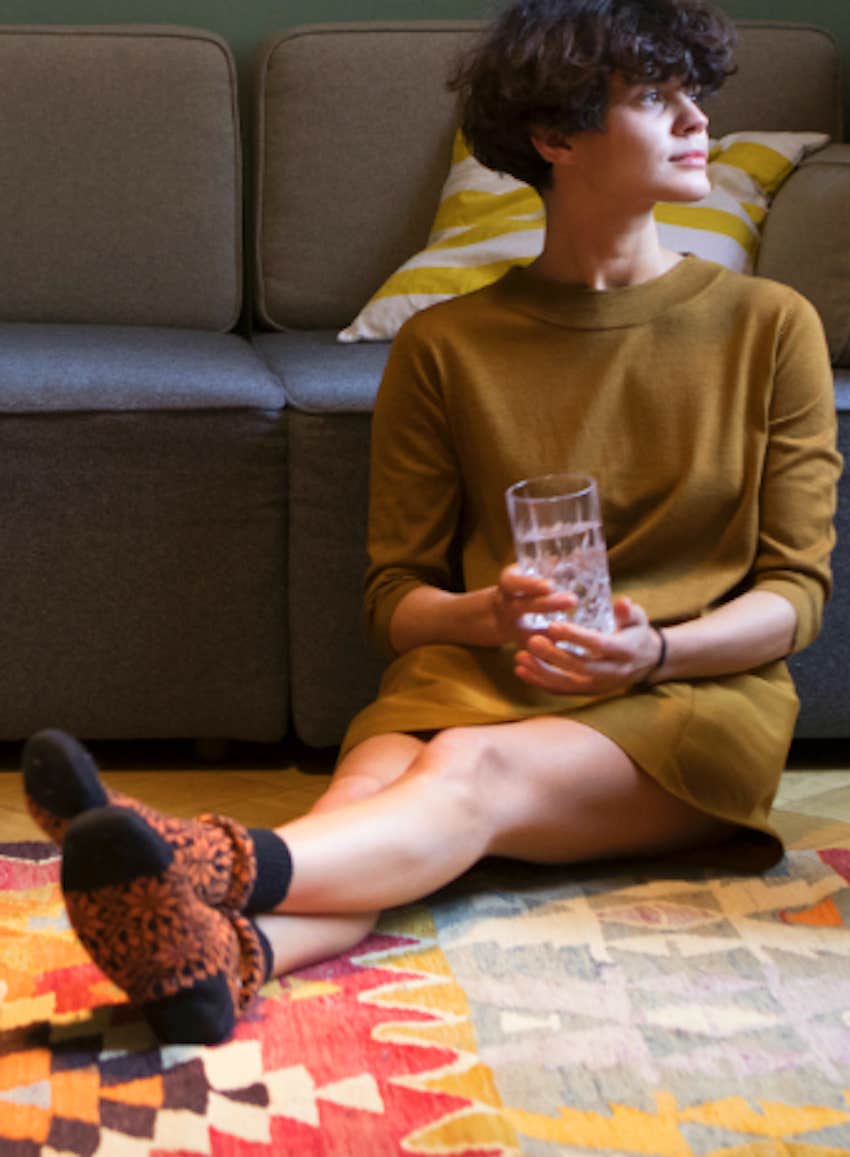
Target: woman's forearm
(430,615)
(755,628)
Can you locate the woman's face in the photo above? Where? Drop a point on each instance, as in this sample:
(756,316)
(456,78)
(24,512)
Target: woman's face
(653,146)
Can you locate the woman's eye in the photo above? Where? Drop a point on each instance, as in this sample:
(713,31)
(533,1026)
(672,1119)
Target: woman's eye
(659,97)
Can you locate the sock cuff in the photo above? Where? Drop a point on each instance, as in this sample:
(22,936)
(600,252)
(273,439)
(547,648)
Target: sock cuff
(265,945)
(274,870)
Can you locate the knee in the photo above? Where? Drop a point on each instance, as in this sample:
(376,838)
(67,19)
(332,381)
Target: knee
(350,789)
(467,763)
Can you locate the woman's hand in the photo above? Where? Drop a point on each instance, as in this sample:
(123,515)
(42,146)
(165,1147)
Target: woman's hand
(518,594)
(610,662)
(486,617)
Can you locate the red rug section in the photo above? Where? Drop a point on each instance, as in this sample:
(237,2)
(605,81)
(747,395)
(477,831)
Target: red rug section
(304,1075)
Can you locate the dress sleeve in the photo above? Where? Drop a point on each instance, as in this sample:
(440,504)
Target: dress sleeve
(801,469)
(415,487)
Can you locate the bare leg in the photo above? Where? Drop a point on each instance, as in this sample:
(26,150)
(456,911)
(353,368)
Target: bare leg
(546,790)
(368,769)
(298,941)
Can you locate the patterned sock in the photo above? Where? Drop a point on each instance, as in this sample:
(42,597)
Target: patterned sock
(229,866)
(190,969)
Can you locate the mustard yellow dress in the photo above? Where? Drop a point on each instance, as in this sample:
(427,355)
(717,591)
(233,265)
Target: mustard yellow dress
(702,401)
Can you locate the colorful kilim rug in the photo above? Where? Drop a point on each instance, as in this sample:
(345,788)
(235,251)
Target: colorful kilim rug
(523,1011)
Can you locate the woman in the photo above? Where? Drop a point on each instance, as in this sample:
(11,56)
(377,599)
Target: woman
(702,402)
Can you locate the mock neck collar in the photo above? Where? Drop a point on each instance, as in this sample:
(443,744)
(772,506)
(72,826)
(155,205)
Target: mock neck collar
(577,307)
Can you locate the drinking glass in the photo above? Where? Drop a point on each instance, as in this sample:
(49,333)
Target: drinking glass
(558,535)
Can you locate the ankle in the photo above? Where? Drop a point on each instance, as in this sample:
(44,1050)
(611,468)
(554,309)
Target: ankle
(274,871)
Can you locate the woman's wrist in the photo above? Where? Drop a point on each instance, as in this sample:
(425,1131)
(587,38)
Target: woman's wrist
(650,676)
(741,635)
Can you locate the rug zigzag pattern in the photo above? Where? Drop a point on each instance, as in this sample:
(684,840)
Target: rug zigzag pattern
(536,1014)
(432,991)
(314,1070)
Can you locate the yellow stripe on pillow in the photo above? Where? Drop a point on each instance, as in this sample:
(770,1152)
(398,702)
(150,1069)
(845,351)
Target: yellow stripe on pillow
(472,206)
(446,280)
(756,213)
(765,165)
(490,231)
(710,220)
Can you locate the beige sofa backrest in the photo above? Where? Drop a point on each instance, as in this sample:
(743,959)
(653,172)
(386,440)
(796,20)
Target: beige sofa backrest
(120,178)
(788,80)
(354,130)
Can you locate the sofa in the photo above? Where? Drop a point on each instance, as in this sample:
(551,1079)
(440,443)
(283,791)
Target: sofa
(183,441)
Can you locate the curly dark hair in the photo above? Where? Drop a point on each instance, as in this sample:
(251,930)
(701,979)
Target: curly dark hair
(548,64)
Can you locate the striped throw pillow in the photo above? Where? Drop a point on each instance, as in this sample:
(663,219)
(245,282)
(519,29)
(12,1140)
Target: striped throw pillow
(486,222)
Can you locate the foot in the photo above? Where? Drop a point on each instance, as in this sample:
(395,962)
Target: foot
(190,969)
(61,782)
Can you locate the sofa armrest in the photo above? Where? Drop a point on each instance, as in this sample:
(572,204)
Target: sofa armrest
(806,241)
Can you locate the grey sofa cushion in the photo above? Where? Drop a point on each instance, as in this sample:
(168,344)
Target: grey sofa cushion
(334,672)
(332,222)
(120,180)
(788,80)
(807,241)
(842,391)
(143,583)
(77,368)
(320,374)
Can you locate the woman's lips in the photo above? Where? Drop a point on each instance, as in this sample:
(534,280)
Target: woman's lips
(694,160)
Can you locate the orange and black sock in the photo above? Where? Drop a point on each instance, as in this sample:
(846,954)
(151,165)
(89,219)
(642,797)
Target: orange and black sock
(229,866)
(190,969)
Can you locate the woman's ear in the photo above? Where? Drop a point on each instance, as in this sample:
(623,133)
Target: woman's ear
(552,144)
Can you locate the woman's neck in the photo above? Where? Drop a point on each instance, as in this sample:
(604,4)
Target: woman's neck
(598,252)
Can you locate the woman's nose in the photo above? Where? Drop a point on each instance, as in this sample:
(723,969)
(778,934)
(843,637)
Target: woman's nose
(691,118)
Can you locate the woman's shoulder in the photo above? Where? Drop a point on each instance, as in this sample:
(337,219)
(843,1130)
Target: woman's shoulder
(761,305)
(757,291)
(453,314)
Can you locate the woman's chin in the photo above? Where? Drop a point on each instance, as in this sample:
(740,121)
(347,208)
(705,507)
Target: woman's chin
(692,187)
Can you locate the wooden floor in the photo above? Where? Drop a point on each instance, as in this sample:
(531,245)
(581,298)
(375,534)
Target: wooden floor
(267,785)
(261,785)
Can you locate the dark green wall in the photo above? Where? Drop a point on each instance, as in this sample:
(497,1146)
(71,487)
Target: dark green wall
(244,22)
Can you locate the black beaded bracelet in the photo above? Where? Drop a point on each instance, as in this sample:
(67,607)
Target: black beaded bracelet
(662,654)
(644,684)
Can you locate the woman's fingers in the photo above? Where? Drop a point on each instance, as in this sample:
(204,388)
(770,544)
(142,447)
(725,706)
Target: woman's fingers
(627,613)
(558,680)
(519,595)
(591,644)
(528,588)
(515,583)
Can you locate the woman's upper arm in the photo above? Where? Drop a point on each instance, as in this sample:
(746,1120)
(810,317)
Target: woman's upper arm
(801,469)
(414,489)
